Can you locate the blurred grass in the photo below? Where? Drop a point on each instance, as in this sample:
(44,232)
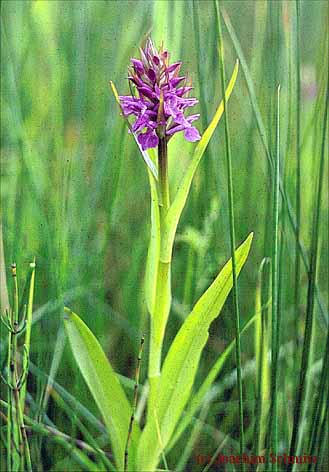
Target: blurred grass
(74,191)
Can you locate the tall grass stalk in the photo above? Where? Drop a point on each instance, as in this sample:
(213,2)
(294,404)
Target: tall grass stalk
(319,403)
(298,171)
(323,434)
(262,307)
(273,429)
(304,369)
(134,406)
(263,135)
(29,309)
(18,451)
(232,236)
(9,404)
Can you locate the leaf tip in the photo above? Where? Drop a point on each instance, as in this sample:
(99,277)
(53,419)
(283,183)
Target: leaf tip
(67,313)
(250,238)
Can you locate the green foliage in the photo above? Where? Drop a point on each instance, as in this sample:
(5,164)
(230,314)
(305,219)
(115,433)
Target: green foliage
(196,401)
(103,385)
(75,195)
(181,363)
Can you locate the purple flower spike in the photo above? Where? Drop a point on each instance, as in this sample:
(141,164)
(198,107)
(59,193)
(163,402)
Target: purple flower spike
(161,99)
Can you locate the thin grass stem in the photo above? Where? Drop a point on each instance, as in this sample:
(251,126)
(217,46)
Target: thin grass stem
(132,417)
(273,429)
(61,438)
(318,404)
(261,350)
(322,436)
(232,237)
(298,173)
(27,340)
(262,133)
(9,402)
(303,380)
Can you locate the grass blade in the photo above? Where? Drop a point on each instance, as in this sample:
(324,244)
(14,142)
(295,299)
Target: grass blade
(262,132)
(298,167)
(273,429)
(232,238)
(299,406)
(261,356)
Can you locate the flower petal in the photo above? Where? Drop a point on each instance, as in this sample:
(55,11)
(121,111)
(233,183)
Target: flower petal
(192,134)
(148,140)
(138,66)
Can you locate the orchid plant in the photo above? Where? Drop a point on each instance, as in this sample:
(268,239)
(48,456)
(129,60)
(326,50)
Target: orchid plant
(158,106)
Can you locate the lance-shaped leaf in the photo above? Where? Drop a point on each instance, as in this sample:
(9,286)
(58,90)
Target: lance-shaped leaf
(181,363)
(104,387)
(178,204)
(196,401)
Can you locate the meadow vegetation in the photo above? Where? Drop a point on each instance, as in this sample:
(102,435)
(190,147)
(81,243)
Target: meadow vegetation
(76,220)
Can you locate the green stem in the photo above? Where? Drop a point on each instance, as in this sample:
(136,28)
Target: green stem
(275,280)
(232,238)
(322,443)
(298,178)
(16,431)
(309,321)
(15,314)
(163,177)
(22,430)
(163,287)
(9,406)
(28,326)
(318,405)
(72,445)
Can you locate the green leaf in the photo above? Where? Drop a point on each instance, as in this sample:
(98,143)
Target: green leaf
(178,204)
(180,366)
(153,254)
(103,385)
(196,402)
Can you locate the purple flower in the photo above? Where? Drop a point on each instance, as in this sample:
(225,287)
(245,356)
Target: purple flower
(161,100)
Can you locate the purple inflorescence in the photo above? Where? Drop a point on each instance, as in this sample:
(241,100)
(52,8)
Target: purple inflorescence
(162,98)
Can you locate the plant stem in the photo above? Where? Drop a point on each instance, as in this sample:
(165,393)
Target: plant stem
(9,405)
(318,405)
(163,176)
(303,381)
(298,177)
(232,237)
(273,430)
(22,430)
(163,286)
(28,325)
(69,443)
(133,411)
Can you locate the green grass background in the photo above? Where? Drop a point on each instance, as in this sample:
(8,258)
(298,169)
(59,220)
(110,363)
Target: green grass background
(75,195)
